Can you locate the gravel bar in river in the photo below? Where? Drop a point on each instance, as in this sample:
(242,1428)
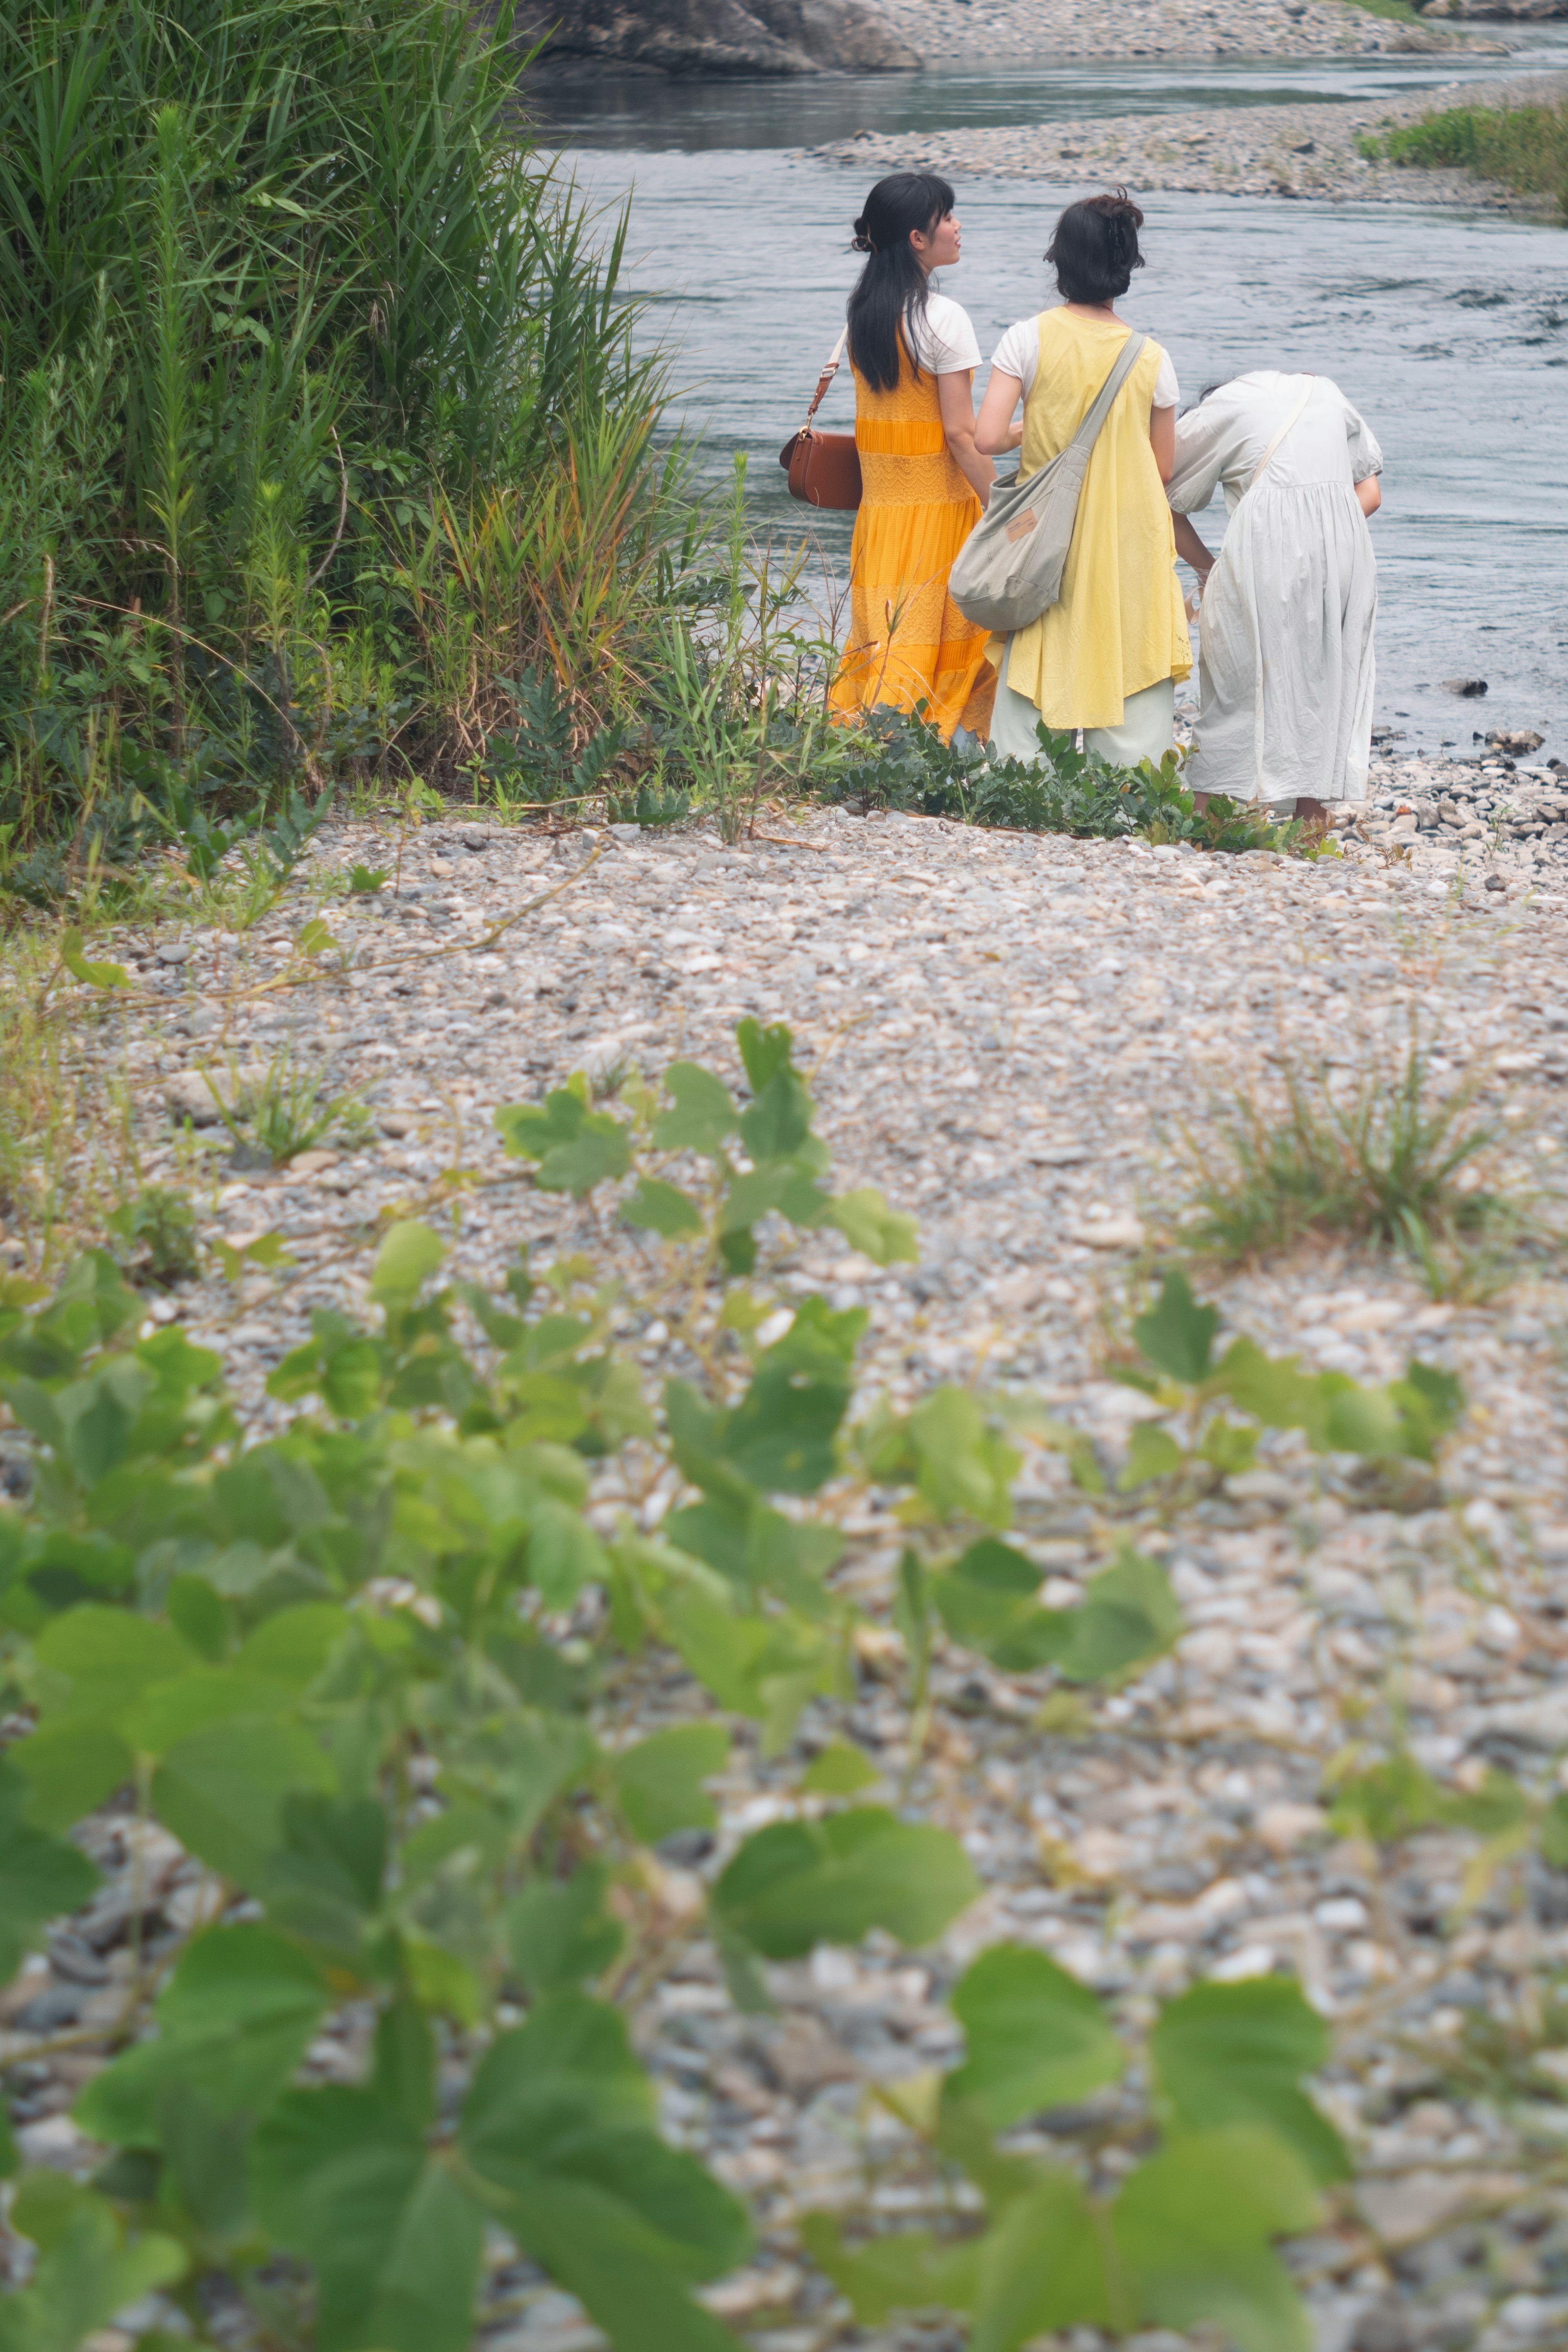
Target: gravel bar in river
(1244,151)
(1011,1031)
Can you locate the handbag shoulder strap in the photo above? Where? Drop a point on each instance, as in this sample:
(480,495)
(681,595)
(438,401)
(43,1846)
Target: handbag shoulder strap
(1268,454)
(1126,361)
(825,379)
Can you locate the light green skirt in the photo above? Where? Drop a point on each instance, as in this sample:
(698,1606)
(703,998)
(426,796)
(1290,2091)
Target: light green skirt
(1147,729)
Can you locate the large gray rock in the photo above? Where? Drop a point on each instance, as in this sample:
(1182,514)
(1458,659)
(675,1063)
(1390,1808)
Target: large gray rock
(717,36)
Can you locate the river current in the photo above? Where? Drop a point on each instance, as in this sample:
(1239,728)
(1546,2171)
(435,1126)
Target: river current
(1449,330)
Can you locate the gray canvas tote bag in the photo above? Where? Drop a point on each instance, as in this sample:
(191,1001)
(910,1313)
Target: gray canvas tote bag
(1008,569)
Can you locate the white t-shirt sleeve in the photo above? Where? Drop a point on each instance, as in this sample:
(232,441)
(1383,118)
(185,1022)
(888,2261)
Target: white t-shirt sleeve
(1204,446)
(944,338)
(1017,354)
(1365,456)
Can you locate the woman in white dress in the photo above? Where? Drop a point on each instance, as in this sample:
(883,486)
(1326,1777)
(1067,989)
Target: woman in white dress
(1286,662)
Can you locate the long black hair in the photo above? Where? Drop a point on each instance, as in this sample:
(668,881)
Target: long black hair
(1095,248)
(892,290)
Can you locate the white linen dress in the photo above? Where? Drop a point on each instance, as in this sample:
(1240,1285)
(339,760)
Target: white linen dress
(1285,664)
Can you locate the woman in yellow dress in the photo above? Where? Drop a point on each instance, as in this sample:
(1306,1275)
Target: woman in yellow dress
(924,484)
(1107,656)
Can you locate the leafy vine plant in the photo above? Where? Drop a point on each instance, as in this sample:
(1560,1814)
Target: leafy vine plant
(372,1672)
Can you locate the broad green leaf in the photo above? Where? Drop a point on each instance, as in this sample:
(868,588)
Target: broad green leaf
(221,1792)
(1236,2054)
(763,1052)
(909,2270)
(167,1713)
(1041,2269)
(1389,1800)
(990,1600)
(1176,1335)
(778,1121)
(96,1661)
(841,1769)
(294,1647)
(704,1112)
(1357,1420)
(659,1208)
(797,1884)
(1128,1616)
(964,1465)
(342,2182)
(1193,2226)
(558,2119)
(87,2269)
(576,1148)
(1036,2037)
(561,1932)
(71,1767)
(780,1435)
(41,1877)
(1430,1401)
(1272,1388)
(753,1545)
(1152,1452)
(235,2020)
(764,1667)
(660,1780)
(405,1261)
(868,1224)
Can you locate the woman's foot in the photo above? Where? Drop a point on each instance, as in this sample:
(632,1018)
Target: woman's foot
(1309,812)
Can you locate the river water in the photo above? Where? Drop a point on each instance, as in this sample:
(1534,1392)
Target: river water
(1449,330)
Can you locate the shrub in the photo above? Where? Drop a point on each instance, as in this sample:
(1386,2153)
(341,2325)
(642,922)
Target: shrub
(377,1673)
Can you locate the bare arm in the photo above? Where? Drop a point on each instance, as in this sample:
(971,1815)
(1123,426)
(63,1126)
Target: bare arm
(1190,548)
(1369,495)
(956,396)
(1161,440)
(996,430)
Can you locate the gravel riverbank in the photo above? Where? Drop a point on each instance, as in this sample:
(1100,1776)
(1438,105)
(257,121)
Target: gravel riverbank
(1011,1031)
(1249,151)
(1016,31)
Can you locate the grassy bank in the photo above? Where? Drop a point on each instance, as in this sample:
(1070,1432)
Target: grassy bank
(1525,147)
(319,418)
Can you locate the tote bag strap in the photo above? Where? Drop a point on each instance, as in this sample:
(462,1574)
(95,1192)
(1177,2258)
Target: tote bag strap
(1269,453)
(825,379)
(1128,358)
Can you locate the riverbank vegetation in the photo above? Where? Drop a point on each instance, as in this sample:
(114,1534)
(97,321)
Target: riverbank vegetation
(320,425)
(1523,147)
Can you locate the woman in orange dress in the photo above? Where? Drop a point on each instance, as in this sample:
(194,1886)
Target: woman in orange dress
(924,484)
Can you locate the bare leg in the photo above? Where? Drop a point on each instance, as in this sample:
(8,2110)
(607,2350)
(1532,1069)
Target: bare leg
(1312,812)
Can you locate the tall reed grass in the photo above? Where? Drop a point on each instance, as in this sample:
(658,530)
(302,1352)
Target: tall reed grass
(318,406)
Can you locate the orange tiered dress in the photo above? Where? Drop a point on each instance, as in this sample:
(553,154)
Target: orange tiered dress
(908,642)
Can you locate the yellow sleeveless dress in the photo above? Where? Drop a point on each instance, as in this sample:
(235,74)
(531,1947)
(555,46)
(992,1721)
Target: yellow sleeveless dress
(1120,625)
(908,642)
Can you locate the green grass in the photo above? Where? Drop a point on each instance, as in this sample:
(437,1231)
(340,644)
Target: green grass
(1383,1158)
(1400,11)
(1523,147)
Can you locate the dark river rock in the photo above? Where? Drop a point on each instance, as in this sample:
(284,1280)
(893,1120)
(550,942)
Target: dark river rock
(715,36)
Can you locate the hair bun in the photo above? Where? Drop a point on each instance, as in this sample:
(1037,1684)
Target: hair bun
(1118,206)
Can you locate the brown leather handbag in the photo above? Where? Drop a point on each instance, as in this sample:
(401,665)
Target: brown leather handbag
(824,468)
